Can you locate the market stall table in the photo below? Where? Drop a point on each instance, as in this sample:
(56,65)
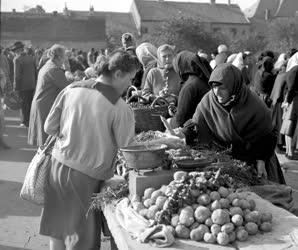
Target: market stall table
(284,234)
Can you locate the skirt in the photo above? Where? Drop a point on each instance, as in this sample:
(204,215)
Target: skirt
(277,114)
(290,118)
(67,200)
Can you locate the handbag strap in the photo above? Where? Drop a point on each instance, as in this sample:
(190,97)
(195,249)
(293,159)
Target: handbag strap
(49,142)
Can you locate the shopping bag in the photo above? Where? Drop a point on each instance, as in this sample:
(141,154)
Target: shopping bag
(36,177)
(12,100)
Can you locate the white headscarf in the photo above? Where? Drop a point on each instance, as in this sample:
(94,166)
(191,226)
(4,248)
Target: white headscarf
(238,61)
(231,58)
(280,61)
(146,53)
(293,61)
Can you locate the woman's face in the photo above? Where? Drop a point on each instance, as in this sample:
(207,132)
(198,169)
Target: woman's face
(166,58)
(222,93)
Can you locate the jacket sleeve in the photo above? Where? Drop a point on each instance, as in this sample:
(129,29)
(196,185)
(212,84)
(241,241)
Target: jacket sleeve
(292,83)
(59,78)
(197,130)
(17,76)
(184,106)
(52,123)
(124,126)
(148,86)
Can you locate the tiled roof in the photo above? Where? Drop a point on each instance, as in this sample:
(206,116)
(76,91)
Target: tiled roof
(287,8)
(215,13)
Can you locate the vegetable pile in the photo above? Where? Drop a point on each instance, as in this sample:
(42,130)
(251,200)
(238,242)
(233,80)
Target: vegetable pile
(199,206)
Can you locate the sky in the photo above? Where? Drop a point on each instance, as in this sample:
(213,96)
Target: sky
(99,5)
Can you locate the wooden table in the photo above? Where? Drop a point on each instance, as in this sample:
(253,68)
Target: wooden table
(283,236)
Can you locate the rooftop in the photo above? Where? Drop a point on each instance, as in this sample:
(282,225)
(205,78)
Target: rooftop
(207,12)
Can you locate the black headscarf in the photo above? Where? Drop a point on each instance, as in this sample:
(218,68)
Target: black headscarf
(246,121)
(188,63)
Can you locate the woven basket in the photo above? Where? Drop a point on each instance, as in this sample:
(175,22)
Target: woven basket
(147,116)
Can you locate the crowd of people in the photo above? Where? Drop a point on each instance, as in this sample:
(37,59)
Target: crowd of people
(242,100)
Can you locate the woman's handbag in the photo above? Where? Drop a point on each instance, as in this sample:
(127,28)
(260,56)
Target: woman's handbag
(37,174)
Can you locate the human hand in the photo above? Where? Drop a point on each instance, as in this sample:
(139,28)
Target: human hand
(172,110)
(261,169)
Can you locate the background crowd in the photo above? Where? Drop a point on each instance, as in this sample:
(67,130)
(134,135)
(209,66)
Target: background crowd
(36,76)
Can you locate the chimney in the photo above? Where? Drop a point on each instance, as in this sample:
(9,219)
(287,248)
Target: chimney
(229,2)
(65,10)
(91,10)
(55,13)
(212,1)
(14,11)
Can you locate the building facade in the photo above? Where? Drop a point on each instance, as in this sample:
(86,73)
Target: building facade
(227,18)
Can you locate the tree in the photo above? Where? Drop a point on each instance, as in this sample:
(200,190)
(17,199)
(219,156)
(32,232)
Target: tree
(37,10)
(283,34)
(185,34)
(253,42)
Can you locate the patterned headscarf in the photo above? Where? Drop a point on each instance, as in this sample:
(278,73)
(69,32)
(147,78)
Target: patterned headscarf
(146,53)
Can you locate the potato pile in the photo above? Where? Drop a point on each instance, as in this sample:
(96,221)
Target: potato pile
(194,206)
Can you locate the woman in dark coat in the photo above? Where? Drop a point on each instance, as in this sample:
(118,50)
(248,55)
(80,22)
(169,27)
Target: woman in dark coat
(194,74)
(232,115)
(51,80)
(264,79)
(277,96)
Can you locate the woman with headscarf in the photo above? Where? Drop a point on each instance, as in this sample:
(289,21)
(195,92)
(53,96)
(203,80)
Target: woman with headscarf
(239,63)
(279,63)
(264,79)
(147,55)
(51,80)
(277,96)
(290,105)
(194,73)
(162,80)
(232,115)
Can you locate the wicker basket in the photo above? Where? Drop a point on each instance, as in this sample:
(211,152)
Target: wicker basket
(147,116)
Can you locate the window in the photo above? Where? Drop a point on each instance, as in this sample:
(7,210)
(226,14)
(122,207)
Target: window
(215,30)
(233,31)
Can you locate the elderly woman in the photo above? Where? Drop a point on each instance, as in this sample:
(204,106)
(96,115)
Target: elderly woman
(232,115)
(91,124)
(147,55)
(194,73)
(290,118)
(51,80)
(162,80)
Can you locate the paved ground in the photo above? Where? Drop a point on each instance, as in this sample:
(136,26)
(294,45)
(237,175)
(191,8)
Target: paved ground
(19,219)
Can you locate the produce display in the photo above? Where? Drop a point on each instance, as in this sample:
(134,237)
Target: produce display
(200,206)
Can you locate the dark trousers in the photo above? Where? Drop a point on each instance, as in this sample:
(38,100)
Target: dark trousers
(26,97)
